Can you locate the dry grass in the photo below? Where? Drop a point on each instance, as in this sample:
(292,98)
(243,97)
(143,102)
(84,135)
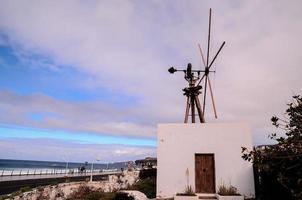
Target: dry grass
(227,190)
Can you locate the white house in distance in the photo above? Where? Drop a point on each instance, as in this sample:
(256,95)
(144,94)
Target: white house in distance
(203,155)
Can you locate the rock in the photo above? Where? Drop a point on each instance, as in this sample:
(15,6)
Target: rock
(63,190)
(136,194)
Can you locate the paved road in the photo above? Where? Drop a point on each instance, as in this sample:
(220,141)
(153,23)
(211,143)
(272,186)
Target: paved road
(45,176)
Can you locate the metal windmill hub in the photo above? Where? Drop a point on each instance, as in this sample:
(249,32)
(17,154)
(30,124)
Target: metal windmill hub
(206,71)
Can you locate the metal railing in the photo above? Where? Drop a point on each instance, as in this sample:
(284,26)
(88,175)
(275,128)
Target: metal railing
(37,172)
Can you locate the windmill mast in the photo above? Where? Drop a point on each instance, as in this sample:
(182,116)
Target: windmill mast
(193,76)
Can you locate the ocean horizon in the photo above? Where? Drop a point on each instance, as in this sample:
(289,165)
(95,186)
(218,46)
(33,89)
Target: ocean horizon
(17,164)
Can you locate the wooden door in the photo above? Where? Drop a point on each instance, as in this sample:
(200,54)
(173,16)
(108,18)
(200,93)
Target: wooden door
(204,173)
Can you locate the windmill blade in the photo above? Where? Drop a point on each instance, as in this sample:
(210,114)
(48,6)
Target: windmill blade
(203,61)
(212,97)
(209,37)
(204,95)
(217,54)
(202,57)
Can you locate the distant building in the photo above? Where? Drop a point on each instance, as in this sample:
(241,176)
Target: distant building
(148,162)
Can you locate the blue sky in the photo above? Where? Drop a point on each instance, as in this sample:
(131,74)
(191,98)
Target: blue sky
(92,76)
(30,133)
(36,78)
(63,84)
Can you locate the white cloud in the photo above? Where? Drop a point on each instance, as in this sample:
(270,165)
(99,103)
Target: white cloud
(84,117)
(41,149)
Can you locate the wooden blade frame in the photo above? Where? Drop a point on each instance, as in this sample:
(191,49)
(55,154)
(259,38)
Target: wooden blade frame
(217,54)
(208,52)
(208,66)
(210,86)
(202,57)
(212,97)
(204,95)
(209,36)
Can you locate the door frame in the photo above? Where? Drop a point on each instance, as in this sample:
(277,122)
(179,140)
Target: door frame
(214,168)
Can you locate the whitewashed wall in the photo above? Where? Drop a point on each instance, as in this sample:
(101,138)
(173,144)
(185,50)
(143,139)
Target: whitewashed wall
(178,143)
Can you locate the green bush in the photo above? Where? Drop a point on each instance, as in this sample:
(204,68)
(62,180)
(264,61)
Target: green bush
(278,166)
(122,196)
(148,173)
(108,196)
(146,186)
(18,193)
(25,189)
(94,195)
(3,197)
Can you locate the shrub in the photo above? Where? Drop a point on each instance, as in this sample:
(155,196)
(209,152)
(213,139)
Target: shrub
(85,193)
(94,195)
(279,165)
(16,193)
(80,193)
(108,196)
(146,186)
(123,196)
(25,189)
(188,192)
(228,191)
(147,182)
(147,173)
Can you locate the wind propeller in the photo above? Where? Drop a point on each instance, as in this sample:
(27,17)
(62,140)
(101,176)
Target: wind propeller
(207,67)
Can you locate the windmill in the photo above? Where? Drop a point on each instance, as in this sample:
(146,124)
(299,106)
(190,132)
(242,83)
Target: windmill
(194,76)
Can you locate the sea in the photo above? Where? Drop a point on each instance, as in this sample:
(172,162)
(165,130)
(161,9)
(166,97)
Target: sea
(8,166)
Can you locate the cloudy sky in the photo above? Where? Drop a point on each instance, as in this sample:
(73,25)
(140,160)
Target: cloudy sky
(88,79)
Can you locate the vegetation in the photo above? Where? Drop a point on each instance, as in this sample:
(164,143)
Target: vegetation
(25,189)
(16,193)
(148,173)
(146,186)
(188,192)
(146,183)
(2,197)
(227,191)
(123,196)
(284,159)
(86,193)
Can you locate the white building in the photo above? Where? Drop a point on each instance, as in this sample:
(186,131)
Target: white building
(204,156)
